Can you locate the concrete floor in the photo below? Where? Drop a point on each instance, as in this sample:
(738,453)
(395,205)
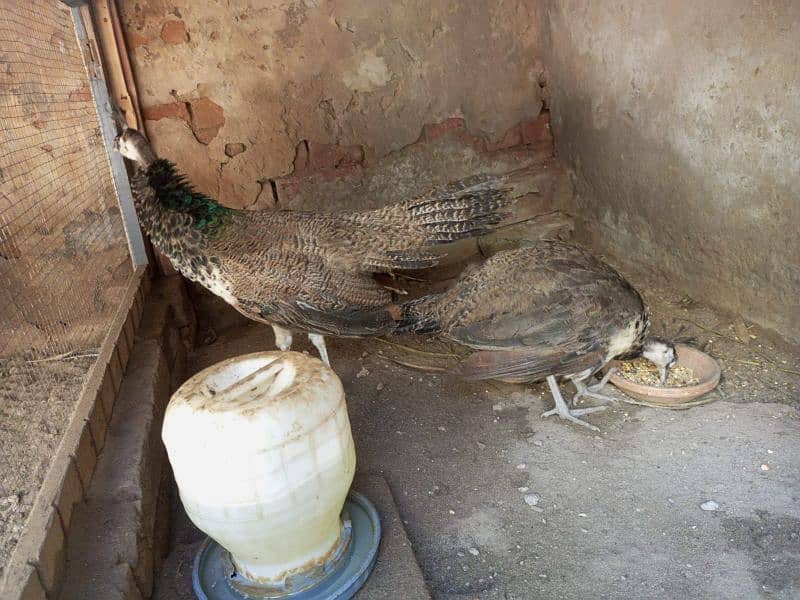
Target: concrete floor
(618,514)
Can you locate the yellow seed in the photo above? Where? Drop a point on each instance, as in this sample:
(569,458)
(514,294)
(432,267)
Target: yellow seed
(643,372)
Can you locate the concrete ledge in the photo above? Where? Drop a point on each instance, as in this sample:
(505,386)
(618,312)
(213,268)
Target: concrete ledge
(114,545)
(41,548)
(397,573)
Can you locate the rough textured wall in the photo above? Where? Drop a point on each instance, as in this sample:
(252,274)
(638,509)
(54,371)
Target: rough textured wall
(683,126)
(232,89)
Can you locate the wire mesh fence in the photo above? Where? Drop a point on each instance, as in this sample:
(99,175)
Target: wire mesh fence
(64,262)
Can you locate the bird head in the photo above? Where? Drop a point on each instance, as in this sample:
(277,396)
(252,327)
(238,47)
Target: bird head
(661,353)
(134,146)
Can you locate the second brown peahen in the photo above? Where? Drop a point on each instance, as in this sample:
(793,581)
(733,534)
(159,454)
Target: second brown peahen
(541,312)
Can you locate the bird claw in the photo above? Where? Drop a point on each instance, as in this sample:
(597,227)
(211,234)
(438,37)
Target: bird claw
(594,395)
(563,411)
(593,391)
(572,415)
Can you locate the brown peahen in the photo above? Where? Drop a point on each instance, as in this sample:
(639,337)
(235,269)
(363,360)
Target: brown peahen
(307,271)
(541,312)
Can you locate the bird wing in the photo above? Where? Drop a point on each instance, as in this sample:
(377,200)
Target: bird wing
(301,290)
(314,271)
(551,339)
(560,318)
(527,364)
(548,294)
(297,314)
(534,311)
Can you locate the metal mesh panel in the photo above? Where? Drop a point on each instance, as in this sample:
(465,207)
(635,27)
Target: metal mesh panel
(64,261)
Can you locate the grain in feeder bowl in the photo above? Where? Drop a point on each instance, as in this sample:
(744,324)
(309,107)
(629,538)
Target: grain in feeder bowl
(695,374)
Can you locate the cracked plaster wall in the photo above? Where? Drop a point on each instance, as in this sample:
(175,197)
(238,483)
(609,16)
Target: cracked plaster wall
(232,90)
(682,124)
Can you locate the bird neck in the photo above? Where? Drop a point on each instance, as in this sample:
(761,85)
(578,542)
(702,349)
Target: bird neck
(173,230)
(146,157)
(640,326)
(176,195)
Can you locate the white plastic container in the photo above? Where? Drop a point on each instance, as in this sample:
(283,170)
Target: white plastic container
(263,456)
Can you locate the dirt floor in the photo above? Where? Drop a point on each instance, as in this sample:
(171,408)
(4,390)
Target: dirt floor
(499,503)
(36,402)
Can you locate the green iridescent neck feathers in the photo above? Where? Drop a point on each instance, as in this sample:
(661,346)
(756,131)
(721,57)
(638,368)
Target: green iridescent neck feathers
(175,193)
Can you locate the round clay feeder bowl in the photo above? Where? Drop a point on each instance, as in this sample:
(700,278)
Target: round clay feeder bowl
(705,369)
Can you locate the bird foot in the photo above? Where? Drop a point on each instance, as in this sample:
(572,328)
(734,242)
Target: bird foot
(593,391)
(589,394)
(563,411)
(573,414)
(600,397)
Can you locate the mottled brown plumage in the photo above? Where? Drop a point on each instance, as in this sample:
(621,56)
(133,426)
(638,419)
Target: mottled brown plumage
(548,310)
(308,271)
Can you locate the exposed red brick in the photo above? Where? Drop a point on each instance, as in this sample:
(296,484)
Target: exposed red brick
(135,40)
(174,32)
(207,117)
(82,94)
(434,131)
(172,110)
(477,143)
(333,156)
(537,132)
(234,148)
(511,138)
(534,133)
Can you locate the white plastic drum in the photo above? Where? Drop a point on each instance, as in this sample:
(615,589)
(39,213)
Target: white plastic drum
(263,457)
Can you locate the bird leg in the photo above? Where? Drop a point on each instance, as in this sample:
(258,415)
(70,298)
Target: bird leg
(563,411)
(593,391)
(602,383)
(283,338)
(319,343)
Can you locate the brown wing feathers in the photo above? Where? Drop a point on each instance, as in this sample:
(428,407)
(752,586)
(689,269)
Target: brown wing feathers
(525,364)
(548,309)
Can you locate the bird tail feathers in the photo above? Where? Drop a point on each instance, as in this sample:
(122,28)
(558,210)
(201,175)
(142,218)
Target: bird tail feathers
(418,316)
(466,208)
